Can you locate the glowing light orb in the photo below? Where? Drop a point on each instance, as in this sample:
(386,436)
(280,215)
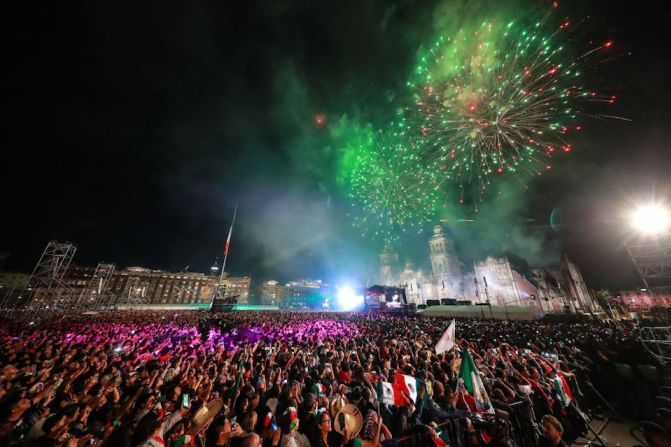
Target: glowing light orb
(348,299)
(653,219)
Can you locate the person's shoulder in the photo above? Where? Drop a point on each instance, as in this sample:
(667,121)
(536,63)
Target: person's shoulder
(304,441)
(288,441)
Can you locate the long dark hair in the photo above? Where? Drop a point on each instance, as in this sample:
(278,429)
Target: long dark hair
(147,425)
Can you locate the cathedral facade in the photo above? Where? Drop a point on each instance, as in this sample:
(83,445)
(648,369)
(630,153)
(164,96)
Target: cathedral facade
(492,280)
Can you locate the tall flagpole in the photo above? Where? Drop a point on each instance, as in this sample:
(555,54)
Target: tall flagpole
(228,241)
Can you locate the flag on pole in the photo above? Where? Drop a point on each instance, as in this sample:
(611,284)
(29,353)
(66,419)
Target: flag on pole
(228,240)
(446,342)
(238,379)
(473,383)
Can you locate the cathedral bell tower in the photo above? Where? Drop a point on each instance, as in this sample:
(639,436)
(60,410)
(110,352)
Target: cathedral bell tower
(445,265)
(444,261)
(388,265)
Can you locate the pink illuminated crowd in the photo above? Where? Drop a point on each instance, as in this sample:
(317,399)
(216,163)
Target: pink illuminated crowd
(300,379)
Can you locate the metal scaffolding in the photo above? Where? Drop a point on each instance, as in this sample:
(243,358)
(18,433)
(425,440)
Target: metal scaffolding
(657,341)
(97,294)
(9,297)
(653,262)
(46,289)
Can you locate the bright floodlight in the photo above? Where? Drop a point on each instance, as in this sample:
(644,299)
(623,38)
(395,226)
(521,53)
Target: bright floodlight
(651,219)
(347,299)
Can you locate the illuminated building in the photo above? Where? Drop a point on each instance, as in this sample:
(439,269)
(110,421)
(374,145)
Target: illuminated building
(237,286)
(271,292)
(493,280)
(161,287)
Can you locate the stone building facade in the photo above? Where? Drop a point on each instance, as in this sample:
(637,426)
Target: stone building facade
(493,280)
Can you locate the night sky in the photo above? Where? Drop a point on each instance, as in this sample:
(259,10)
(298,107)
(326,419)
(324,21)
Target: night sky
(133,128)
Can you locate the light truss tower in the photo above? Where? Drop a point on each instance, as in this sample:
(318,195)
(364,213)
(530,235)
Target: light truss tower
(97,294)
(653,261)
(46,288)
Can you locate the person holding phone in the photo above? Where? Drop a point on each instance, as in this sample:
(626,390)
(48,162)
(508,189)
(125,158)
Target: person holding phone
(152,427)
(222,431)
(270,431)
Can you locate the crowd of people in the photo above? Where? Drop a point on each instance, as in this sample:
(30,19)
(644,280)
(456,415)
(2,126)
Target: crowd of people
(145,378)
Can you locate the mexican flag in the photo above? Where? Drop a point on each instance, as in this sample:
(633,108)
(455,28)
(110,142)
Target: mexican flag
(406,386)
(397,393)
(385,393)
(472,382)
(563,391)
(228,239)
(442,439)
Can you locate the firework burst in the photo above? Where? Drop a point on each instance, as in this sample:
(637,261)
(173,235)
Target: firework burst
(391,193)
(497,99)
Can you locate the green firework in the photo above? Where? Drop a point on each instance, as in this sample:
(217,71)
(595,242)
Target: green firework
(391,193)
(496,99)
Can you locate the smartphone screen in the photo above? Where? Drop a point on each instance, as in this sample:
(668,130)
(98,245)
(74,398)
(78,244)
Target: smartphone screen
(185,400)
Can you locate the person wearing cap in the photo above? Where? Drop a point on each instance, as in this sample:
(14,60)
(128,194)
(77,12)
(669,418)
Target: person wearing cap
(552,432)
(336,403)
